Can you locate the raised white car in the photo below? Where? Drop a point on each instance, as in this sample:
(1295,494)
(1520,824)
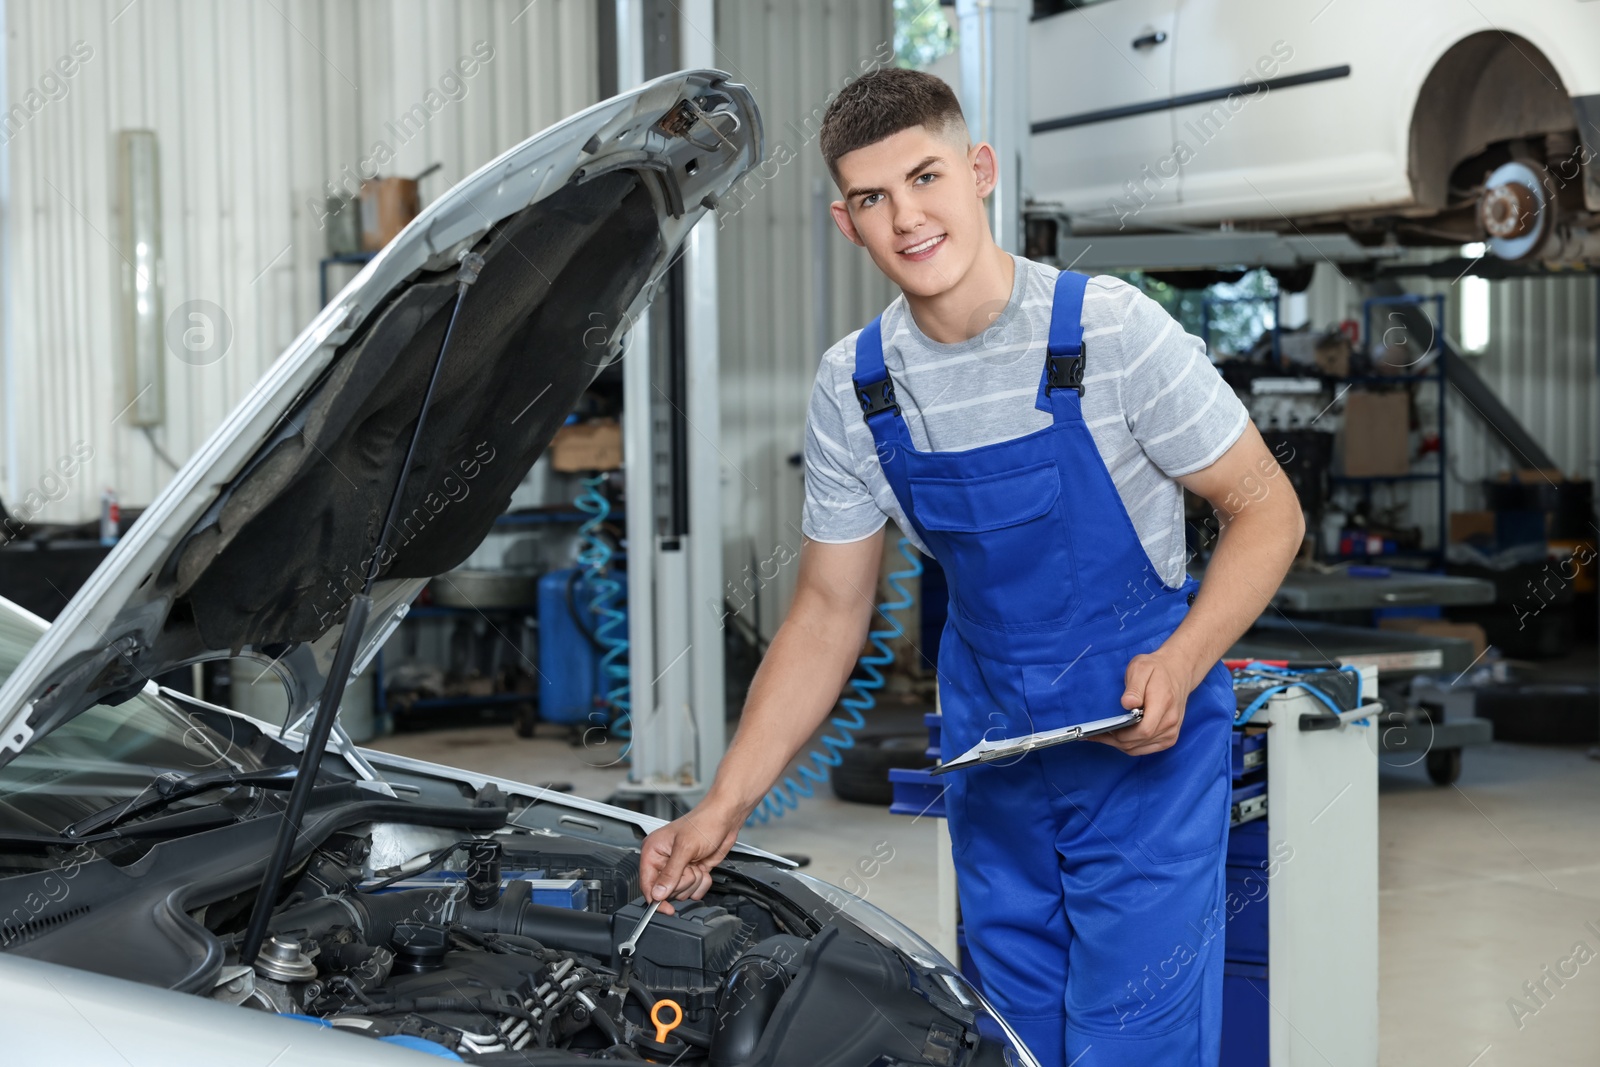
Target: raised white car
(1417,121)
(417,909)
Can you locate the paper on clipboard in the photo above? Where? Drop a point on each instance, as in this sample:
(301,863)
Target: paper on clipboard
(989,751)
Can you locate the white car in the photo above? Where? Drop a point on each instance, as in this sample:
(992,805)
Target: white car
(1417,121)
(421,909)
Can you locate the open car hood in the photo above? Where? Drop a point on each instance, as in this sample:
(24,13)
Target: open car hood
(259,543)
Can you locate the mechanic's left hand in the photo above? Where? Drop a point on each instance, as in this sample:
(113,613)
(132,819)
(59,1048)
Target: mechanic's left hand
(1158,682)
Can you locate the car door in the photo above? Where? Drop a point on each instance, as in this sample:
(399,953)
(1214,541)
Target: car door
(1100,74)
(1294,109)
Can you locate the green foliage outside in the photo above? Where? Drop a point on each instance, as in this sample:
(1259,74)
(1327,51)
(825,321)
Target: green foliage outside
(1235,327)
(921,33)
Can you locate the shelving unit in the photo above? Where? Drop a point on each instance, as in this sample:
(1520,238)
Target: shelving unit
(506,615)
(1435,375)
(383,707)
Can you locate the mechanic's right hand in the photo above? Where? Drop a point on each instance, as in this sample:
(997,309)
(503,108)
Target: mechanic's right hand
(675,861)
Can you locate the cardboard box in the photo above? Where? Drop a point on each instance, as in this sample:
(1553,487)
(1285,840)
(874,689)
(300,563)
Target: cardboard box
(595,445)
(1332,355)
(387,204)
(1377,434)
(1577,558)
(1468,526)
(1471,631)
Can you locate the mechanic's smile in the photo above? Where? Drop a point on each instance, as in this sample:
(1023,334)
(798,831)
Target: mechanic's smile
(925,249)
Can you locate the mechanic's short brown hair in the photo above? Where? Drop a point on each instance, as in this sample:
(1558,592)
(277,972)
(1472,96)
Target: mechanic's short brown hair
(883,102)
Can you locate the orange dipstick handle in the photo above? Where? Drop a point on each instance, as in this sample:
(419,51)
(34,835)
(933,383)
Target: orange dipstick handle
(663,1029)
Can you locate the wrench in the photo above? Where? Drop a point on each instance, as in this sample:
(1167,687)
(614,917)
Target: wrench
(627,947)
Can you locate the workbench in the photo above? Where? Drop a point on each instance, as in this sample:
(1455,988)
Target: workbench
(1364,588)
(1411,733)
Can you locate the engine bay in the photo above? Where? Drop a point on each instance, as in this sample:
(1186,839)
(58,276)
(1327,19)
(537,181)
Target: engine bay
(490,930)
(499,946)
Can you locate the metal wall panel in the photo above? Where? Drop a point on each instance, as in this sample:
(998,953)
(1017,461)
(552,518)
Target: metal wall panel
(1542,360)
(257,106)
(791,284)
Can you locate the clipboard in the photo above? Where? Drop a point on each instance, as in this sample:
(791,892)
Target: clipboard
(990,751)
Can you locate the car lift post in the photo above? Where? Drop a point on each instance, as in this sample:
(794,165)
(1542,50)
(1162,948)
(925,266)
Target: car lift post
(670,424)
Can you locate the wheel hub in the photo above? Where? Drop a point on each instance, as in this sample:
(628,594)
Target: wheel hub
(1516,211)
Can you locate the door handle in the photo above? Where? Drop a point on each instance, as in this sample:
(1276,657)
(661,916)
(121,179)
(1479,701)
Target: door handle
(1150,40)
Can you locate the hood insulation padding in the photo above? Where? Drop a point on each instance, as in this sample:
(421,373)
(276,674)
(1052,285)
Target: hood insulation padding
(282,552)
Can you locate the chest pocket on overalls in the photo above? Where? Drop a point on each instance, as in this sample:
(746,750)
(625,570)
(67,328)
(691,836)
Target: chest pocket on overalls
(1004,543)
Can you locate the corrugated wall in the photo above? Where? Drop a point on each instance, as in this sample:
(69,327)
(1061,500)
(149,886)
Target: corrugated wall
(791,284)
(1541,360)
(257,105)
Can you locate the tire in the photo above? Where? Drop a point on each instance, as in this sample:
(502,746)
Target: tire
(1444,765)
(862,776)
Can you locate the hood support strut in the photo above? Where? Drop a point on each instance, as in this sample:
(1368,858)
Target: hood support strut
(316,738)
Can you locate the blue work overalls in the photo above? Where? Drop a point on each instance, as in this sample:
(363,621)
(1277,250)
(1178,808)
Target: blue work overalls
(1091,882)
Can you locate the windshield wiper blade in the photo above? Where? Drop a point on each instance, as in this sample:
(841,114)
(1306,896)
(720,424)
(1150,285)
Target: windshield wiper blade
(171,788)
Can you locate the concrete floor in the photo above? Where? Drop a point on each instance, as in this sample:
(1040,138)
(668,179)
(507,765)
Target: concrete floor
(1482,885)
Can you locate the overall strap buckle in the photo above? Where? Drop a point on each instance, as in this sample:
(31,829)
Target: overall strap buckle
(1066,372)
(1064,368)
(871,378)
(876,396)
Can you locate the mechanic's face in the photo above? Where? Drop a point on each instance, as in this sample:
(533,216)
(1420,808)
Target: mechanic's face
(914,200)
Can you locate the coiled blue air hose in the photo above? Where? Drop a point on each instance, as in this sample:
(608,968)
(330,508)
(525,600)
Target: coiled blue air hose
(594,556)
(787,793)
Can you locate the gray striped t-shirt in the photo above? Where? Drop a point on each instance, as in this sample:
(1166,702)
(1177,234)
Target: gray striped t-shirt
(1154,404)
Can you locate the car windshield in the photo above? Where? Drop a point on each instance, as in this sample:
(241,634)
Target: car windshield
(102,756)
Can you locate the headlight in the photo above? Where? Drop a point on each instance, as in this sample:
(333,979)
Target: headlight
(893,932)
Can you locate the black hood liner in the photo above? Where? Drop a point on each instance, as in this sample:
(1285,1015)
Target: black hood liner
(279,556)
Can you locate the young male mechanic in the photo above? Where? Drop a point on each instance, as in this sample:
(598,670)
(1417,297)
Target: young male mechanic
(1090,875)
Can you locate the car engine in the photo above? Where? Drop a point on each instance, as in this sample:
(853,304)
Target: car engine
(496,948)
(494,934)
